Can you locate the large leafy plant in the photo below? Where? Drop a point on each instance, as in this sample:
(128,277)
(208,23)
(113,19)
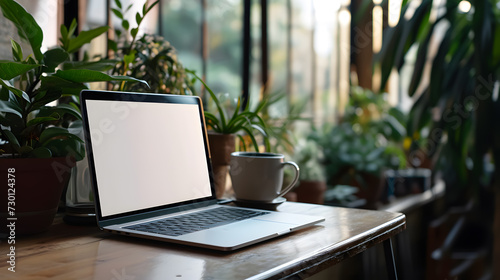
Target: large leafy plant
(30,125)
(457,103)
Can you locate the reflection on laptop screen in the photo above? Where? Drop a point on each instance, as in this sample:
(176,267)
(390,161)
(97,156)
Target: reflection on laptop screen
(168,137)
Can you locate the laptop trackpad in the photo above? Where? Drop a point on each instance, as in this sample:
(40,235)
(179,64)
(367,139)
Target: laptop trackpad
(237,233)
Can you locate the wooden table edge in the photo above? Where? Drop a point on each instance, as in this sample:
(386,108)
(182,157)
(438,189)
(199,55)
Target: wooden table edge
(322,259)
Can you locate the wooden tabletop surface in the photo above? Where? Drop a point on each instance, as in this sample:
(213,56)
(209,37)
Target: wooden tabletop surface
(84,252)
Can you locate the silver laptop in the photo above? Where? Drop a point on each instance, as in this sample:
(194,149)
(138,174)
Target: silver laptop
(151,174)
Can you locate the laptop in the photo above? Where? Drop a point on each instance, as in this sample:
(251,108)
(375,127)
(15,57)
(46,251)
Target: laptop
(151,174)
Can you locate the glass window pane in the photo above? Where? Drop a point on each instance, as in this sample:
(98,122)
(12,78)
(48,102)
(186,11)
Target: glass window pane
(181,26)
(224,65)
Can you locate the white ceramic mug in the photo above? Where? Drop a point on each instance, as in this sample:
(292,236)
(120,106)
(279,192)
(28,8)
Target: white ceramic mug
(259,176)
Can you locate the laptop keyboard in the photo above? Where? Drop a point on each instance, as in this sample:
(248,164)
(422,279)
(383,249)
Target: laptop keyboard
(188,223)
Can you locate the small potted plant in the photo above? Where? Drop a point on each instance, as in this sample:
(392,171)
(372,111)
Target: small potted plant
(38,148)
(225,127)
(364,144)
(309,156)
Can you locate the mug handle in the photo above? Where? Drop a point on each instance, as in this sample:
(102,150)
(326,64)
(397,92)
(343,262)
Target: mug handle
(297,172)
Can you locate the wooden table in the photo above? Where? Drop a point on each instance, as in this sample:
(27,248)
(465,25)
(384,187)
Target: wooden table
(82,252)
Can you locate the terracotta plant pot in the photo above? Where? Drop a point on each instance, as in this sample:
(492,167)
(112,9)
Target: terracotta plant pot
(311,192)
(221,147)
(36,191)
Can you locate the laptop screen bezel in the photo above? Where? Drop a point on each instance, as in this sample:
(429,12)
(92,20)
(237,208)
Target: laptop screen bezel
(152,211)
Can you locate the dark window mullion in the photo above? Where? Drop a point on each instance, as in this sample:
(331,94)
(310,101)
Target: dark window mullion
(204,46)
(247,44)
(264,46)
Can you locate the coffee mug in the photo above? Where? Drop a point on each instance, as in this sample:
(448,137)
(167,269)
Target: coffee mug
(259,176)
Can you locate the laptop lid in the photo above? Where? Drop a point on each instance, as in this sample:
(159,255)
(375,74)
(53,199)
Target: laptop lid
(148,154)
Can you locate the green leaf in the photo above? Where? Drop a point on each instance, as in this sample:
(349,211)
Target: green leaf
(214,97)
(12,139)
(64,147)
(26,25)
(420,61)
(117,13)
(242,141)
(125,24)
(55,84)
(129,58)
(386,55)
(52,58)
(134,32)
(212,122)
(10,69)
(61,109)
(438,69)
(150,7)
(72,28)
(41,152)
(118,4)
(25,149)
(99,65)
(85,37)
(76,128)
(496,47)
(410,31)
(88,76)
(37,121)
(4,94)
(252,137)
(112,45)
(56,132)
(17,51)
(138,18)
(52,132)
(64,36)
(9,107)
(19,93)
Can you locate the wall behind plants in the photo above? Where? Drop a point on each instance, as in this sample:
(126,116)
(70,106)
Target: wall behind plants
(45,12)
(6,29)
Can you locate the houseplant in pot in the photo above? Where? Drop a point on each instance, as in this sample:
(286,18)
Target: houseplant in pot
(457,99)
(224,127)
(363,145)
(309,156)
(38,147)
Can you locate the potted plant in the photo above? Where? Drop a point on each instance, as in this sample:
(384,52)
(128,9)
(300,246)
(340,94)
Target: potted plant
(309,157)
(149,57)
(460,99)
(363,145)
(225,127)
(38,147)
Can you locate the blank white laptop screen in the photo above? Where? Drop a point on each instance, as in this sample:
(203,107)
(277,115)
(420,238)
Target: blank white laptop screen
(167,137)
